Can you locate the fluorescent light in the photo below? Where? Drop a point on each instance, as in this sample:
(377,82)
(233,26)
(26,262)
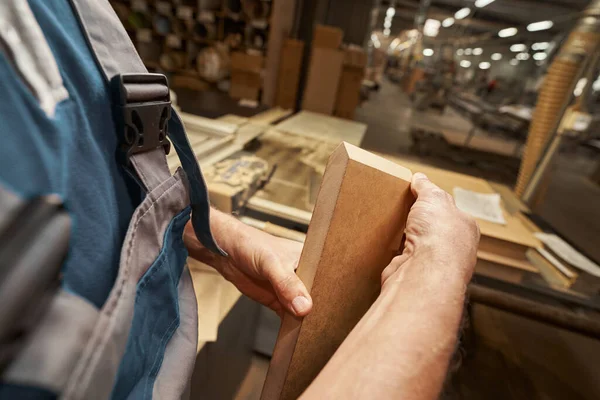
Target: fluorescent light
(508,32)
(477,51)
(390,12)
(496,56)
(427,52)
(394,44)
(482,3)
(540,26)
(514,62)
(386,32)
(448,22)
(540,56)
(517,48)
(387,24)
(485,65)
(522,56)
(431,27)
(460,52)
(462,13)
(468,52)
(465,63)
(540,46)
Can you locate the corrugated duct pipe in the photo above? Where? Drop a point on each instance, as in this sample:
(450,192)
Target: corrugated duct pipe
(556,89)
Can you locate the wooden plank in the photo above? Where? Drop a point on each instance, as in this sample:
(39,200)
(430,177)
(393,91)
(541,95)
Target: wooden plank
(359,218)
(323,80)
(324,127)
(281,25)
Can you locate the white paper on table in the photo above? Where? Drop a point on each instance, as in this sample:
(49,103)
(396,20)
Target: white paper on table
(568,253)
(485,206)
(554,261)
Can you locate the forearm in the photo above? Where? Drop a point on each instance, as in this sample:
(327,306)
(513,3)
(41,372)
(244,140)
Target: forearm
(402,346)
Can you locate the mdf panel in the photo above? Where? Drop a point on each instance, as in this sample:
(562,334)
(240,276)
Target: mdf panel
(356,230)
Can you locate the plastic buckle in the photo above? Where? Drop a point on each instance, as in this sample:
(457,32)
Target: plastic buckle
(145,110)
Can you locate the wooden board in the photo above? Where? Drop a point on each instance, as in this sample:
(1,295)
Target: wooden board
(324,127)
(289,73)
(323,80)
(357,229)
(280,27)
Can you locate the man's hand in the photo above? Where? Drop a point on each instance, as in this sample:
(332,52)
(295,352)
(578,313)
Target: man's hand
(438,235)
(260,265)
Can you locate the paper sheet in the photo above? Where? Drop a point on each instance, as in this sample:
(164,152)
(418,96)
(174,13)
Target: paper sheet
(568,253)
(485,206)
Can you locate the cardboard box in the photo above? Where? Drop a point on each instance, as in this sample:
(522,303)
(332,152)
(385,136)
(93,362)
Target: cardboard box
(323,80)
(245,85)
(289,73)
(247,62)
(329,37)
(348,97)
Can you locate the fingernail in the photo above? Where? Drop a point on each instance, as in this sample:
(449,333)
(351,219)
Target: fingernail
(420,175)
(300,305)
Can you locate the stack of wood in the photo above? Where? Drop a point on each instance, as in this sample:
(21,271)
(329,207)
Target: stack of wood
(246,79)
(335,75)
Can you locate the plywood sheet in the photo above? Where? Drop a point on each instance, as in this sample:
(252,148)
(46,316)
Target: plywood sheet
(323,80)
(356,230)
(324,127)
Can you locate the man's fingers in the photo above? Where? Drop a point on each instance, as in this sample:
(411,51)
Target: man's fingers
(290,290)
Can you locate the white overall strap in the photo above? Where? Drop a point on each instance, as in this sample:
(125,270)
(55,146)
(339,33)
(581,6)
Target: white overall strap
(116,55)
(147,94)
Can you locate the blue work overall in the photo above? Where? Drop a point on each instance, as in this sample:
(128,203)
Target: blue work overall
(87,122)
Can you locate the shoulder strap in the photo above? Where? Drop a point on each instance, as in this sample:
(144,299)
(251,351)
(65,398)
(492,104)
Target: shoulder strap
(145,101)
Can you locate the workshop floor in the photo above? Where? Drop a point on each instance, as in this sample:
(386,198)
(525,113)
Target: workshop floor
(509,357)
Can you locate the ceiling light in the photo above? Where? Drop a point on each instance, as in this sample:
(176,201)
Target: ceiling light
(540,26)
(581,84)
(427,52)
(496,56)
(465,63)
(390,12)
(540,46)
(514,62)
(508,32)
(522,56)
(482,3)
(387,24)
(477,51)
(517,48)
(448,22)
(386,32)
(485,65)
(394,44)
(460,52)
(431,27)
(468,52)
(540,56)
(462,13)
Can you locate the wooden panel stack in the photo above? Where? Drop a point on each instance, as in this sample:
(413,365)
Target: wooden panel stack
(356,230)
(246,75)
(353,73)
(325,69)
